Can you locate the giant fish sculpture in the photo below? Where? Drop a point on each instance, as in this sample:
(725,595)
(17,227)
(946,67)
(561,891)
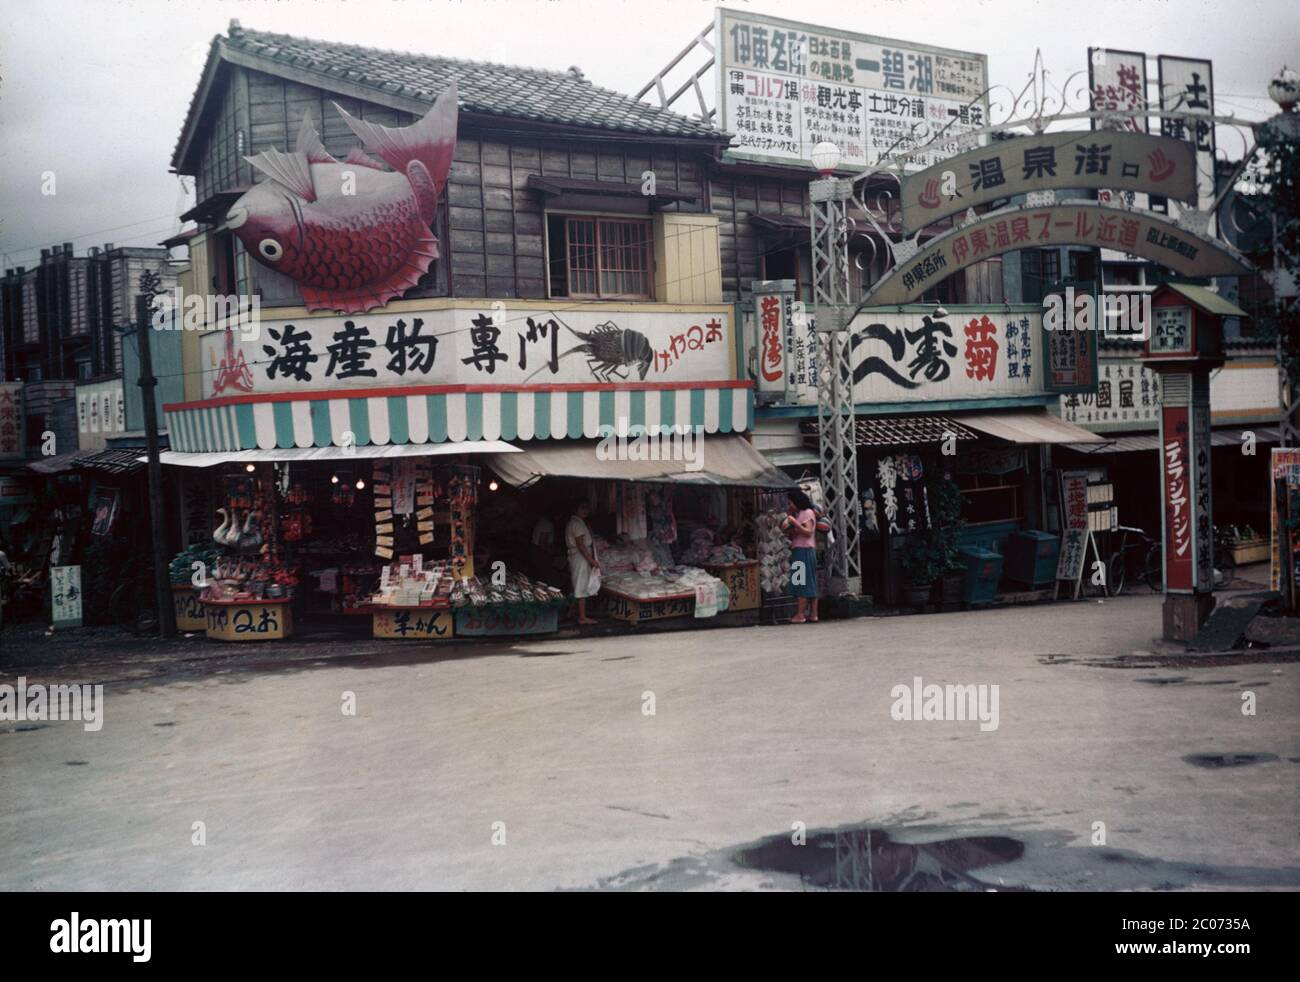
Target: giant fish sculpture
(352,235)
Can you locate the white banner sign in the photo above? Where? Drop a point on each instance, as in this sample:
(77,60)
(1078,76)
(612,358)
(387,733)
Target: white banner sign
(784,87)
(1187,85)
(1127,397)
(920,357)
(465,346)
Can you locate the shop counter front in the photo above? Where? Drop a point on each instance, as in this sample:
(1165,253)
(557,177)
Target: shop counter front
(425,623)
(248,620)
(188,608)
(741,579)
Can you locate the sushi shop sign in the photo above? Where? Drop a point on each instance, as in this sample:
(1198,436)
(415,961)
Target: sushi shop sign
(496,344)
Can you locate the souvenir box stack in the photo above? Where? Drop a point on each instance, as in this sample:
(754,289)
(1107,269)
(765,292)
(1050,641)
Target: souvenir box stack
(412,600)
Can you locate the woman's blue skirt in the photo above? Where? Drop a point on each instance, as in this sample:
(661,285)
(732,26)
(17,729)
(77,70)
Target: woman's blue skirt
(808,559)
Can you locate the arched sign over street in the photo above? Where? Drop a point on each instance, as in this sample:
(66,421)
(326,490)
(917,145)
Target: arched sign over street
(1049,161)
(1078,223)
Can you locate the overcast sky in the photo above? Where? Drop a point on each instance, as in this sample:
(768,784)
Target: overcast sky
(95,91)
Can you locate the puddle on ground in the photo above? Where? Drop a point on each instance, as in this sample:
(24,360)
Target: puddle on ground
(1229,760)
(867,859)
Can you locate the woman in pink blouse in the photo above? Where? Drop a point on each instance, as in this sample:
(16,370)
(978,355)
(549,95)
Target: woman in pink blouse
(801,523)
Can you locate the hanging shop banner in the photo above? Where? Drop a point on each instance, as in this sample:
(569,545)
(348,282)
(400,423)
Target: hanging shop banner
(1117,82)
(899,488)
(11,419)
(1127,398)
(1026,227)
(502,346)
(1284,467)
(1049,161)
(101,413)
(65,596)
(1176,468)
(1187,86)
(917,357)
(773,336)
(1071,355)
(784,87)
(1074,541)
(1202,490)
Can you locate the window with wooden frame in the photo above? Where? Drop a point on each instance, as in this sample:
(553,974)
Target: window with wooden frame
(592,257)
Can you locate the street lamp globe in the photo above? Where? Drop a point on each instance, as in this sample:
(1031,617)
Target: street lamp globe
(1285,89)
(826,157)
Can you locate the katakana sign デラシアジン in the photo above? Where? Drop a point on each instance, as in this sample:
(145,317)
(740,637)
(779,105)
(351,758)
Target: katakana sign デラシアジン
(1056,161)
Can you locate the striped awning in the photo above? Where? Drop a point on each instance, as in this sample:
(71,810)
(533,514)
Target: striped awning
(452,414)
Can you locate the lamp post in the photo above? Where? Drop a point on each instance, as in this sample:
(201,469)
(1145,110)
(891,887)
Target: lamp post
(837,444)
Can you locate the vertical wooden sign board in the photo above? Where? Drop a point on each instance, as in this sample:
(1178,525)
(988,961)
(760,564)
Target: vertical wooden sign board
(1076,537)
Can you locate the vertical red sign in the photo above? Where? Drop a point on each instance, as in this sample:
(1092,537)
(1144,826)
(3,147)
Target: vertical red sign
(1180,524)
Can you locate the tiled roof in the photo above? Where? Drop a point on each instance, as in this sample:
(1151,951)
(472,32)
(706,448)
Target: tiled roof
(564,98)
(901,431)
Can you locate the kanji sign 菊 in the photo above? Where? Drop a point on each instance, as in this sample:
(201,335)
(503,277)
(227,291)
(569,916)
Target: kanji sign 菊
(784,87)
(910,357)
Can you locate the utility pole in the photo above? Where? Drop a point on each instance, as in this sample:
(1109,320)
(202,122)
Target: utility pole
(150,287)
(836,421)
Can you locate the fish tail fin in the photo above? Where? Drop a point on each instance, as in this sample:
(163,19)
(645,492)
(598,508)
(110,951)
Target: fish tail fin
(431,141)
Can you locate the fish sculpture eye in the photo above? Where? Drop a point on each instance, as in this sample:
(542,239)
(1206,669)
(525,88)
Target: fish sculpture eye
(270,249)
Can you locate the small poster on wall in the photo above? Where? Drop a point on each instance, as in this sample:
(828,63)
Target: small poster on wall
(65,596)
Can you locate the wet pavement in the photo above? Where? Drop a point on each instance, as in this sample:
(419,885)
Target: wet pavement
(751,758)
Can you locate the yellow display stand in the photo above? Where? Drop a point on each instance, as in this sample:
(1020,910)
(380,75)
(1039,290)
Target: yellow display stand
(189,609)
(248,620)
(421,623)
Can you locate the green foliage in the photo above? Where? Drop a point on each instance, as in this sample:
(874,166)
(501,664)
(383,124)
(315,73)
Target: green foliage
(929,555)
(1276,174)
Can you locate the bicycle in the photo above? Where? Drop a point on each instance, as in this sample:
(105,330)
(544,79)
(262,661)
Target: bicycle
(1139,555)
(134,605)
(1224,563)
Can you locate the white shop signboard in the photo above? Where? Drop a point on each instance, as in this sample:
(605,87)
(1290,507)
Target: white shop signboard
(101,413)
(922,357)
(1127,398)
(507,347)
(784,87)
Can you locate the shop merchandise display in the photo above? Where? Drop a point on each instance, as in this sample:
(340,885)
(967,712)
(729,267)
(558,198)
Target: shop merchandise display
(477,591)
(411,583)
(245,564)
(632,569)
(773,552)
(181,571)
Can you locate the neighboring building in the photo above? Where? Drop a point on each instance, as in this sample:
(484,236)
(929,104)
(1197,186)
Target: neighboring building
(61,329)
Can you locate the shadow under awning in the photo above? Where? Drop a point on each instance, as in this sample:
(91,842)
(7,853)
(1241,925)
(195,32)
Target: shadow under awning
(710,461)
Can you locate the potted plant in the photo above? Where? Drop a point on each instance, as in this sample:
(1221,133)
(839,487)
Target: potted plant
(945,500)
(920,569)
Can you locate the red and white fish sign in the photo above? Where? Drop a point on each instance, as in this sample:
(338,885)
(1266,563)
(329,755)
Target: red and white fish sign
(350,234)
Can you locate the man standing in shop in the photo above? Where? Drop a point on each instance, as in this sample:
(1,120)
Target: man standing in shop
(584,567)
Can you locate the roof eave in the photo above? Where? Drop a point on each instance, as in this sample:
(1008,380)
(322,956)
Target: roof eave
(216,54)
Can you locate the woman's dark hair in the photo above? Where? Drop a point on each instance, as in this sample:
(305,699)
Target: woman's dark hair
(799,498)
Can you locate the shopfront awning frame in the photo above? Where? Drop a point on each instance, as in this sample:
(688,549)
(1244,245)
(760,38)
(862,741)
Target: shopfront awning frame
(725,460)
(342,454)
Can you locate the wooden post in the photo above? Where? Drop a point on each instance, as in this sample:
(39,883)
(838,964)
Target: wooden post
(150,287)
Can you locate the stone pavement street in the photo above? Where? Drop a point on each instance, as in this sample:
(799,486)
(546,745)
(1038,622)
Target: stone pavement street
(753,730)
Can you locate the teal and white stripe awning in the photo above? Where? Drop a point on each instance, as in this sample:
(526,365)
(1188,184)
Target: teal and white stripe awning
(271,422)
